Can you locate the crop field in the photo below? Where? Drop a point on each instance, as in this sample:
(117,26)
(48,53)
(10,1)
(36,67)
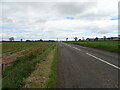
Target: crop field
(13,47)
(12,50)
(19,60)
(105,45)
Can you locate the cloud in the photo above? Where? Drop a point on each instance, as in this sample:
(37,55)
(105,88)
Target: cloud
(56,19)
(73,9)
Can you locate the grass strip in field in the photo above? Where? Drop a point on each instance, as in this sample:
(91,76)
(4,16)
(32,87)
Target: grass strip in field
(13,75)
(105,45)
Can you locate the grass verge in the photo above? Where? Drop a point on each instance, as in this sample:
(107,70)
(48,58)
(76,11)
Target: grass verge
(51,83)
(21,68)
(105,45)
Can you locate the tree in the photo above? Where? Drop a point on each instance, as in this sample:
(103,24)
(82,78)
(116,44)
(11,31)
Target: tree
(88,39)
(28,41)
(21,40)
(66,39)
(75,38)
(108,38)
(79,40)
(41,40)
(96,38)
(11,38)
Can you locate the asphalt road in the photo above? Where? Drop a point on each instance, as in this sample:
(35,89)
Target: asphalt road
(83,67)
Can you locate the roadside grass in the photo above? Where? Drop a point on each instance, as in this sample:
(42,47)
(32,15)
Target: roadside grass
(44,75)
(105,45)
(0,48)
(21,68)
(52,77)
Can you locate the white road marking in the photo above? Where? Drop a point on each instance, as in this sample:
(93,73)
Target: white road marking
(72,46)
(103,61)
(77,48)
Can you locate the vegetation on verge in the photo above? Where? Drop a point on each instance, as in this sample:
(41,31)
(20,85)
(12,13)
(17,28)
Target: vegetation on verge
(21,68)
(41,75)
(105,45)
(52,77)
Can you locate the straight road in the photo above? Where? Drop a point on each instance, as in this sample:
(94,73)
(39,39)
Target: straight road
(83,67)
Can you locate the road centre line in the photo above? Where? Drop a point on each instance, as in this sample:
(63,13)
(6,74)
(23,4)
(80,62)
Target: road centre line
(73,47)
(97,58)
(77,48)
(103,61)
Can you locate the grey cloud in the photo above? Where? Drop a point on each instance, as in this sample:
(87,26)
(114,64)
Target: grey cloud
(27,15)
(70,8)
(96,16)
(8,20)
(40,21)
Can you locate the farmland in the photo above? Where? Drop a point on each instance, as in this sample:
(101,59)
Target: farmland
(13,47)
(105,45)
(12,50)
(35,65)
(20,59)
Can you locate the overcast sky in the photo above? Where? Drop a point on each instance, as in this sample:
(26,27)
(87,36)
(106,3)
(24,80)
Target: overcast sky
(55,19)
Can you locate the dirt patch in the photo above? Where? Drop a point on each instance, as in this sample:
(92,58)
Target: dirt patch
(4,42)
(40,76)
(7,59)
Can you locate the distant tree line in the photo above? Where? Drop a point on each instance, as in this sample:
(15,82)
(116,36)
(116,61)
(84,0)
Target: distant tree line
(12,39)
(96,39)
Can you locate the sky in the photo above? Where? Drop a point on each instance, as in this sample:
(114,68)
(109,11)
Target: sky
(52,19)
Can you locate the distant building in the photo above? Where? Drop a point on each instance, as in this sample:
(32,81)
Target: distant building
(104,37)
(83,38)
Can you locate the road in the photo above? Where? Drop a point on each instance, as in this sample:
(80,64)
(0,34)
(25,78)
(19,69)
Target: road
(83,67)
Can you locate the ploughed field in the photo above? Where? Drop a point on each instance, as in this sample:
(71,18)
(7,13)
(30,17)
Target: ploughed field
(19,60)
(13,47)
(12,50)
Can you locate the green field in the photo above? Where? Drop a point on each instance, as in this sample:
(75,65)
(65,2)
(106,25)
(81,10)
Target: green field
(105,45)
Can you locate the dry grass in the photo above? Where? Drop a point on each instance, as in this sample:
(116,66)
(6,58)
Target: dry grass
(40,76)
